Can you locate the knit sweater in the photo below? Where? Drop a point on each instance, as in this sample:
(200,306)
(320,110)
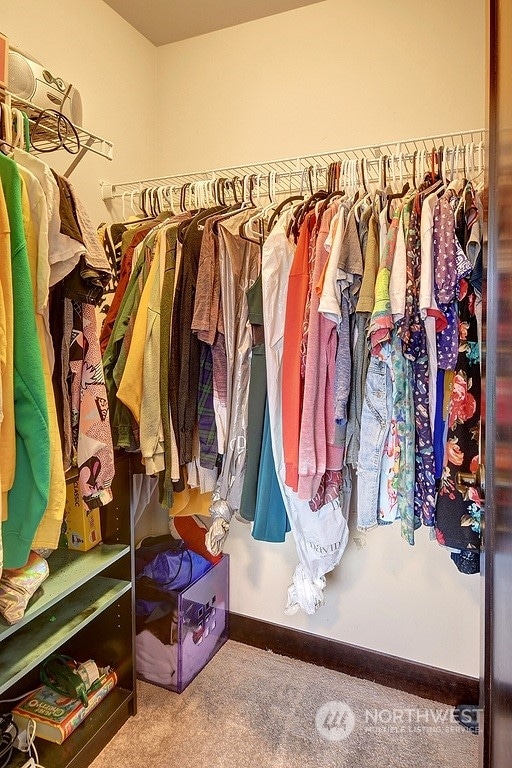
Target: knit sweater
(28,497)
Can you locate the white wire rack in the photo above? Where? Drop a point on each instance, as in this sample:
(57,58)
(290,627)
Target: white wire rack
(48,135)
(290,174)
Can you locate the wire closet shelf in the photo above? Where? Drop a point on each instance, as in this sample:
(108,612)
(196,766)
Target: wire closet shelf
(48,132)
(290,174)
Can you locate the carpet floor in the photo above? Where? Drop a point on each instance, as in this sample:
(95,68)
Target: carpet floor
(250,707)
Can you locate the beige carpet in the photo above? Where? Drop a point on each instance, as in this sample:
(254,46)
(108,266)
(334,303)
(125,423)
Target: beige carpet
(252,708)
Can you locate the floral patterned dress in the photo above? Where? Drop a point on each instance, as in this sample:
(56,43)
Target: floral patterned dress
(459,506)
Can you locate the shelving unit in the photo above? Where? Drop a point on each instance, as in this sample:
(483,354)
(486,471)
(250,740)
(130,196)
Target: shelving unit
(96,731)
(45,634)
(84,609)
(68,571)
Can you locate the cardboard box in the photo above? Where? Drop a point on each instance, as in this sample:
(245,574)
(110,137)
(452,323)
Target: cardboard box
(81,527)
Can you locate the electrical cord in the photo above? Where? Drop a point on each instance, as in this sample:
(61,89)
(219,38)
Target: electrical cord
(33,761)
(67,134)
(17,698)
(31,737)
(8,731)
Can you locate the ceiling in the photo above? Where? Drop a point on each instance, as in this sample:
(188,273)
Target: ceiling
(167,21)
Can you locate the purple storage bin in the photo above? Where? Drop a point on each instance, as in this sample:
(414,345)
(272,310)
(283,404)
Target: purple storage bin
(171,652)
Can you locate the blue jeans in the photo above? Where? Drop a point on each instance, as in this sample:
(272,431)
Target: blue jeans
(375,424)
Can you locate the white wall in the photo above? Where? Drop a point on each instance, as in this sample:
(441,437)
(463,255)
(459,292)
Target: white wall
(114,67)
(333,75)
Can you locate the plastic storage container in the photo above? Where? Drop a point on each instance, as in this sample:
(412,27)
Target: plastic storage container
(173,649)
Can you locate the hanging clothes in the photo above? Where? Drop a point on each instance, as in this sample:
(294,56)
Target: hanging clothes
(185,347)
(35,224)
(318,452)
(28,497)
(256,402)
(320,537)
(48,246)
(261,502)
(238,261)
(351,306)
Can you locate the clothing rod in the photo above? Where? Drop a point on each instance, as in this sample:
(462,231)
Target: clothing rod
(403,149)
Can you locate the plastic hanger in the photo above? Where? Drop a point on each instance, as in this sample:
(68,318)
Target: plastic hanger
(217,192)
(248,189)
(211,188)
(404,188)
(356,183)
(437,183)
(364,174)
(136,217)
(469,151)
(18,128)
(445,174)
(395,196)
(300,214)
(7,124)
(392,173)
(169,195)
(161,199)
(123,205)
(183,197)
(457,182)
(280,208)
(383,190)
(480,166)
(224,188)
(152,201)
(272,180)
(422,156)
(337,171)
(143,201)
(247,231)
(365,197)
(271,194)
(413,174)
(235,181)
(197,192)
(207,194)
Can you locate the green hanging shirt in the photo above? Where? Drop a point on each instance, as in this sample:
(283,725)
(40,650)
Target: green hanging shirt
(28,498)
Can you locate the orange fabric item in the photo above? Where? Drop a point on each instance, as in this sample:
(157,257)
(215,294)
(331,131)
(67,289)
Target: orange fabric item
(193,535)
(293,384)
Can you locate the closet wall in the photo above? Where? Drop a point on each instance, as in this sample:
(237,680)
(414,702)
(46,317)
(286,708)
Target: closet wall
(332,75)
(335,74)
(114,67)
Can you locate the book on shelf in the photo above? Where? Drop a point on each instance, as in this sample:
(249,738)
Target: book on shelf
(57,716)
